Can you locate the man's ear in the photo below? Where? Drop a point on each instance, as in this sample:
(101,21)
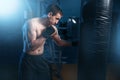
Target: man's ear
(50,14)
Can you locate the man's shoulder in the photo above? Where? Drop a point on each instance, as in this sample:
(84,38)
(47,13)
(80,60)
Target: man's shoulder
(33,20)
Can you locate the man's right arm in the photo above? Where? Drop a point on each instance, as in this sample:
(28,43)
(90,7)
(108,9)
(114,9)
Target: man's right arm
(34,41)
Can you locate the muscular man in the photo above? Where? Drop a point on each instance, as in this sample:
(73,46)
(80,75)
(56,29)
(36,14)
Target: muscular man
(35,32)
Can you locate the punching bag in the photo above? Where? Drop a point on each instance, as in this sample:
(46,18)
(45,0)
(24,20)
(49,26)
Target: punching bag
(94,40)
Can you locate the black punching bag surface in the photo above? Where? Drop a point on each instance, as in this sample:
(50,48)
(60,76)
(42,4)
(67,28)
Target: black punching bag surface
(94,40)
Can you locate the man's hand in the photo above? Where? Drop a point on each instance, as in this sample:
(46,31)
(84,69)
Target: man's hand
(48,32)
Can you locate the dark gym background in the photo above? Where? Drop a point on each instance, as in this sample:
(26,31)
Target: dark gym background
(82,11)
(11,31)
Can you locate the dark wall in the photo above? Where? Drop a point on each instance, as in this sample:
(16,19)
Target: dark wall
(70,8)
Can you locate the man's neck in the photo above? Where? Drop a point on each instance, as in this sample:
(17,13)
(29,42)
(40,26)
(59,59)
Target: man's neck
(45,21)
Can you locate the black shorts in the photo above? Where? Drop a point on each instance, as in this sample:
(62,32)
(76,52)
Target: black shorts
(33,67)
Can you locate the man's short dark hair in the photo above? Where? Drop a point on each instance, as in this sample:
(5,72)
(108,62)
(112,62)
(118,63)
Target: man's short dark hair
(54,8)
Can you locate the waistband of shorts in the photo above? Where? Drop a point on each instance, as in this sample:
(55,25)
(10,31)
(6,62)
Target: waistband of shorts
(27,54)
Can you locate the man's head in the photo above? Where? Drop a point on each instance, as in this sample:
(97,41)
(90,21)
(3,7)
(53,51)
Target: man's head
(54,9)
(54,13)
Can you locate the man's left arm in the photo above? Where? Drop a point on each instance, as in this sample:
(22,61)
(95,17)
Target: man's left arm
(61,42)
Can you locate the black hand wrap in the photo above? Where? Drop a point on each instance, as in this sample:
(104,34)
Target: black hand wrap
(75,43)
(48,31)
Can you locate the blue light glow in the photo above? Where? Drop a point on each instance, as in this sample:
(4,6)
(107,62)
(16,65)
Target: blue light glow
(8,7)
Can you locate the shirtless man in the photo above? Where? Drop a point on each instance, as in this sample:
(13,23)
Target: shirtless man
(35,32)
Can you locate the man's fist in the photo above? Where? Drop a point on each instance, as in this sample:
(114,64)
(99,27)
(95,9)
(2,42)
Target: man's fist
(75,43)
(48,32)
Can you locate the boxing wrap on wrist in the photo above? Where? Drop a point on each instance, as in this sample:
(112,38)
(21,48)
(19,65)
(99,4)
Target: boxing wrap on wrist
(48,32)
(75,43)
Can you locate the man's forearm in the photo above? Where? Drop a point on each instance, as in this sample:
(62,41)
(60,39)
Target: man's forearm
(37,43)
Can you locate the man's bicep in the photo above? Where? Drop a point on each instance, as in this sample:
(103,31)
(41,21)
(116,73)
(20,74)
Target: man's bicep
(31,34)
